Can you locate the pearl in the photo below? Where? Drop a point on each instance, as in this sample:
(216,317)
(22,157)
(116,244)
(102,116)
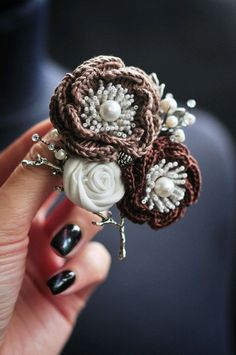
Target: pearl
(172,121)
(60,154)
(110,110)
(191,103)
(179,135)
(189,119)
(164,187)
(168,104)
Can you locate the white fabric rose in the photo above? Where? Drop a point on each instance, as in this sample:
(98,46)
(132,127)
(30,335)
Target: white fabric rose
(94,186)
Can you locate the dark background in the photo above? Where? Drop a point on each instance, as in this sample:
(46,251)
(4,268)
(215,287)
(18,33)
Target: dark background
(174,294)
(190,44)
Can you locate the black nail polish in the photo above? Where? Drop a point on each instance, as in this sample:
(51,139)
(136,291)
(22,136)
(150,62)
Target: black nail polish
(60,282)
(65,240)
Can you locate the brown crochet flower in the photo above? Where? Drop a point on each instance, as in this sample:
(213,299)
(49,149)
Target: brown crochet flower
(104,108)
(160,185)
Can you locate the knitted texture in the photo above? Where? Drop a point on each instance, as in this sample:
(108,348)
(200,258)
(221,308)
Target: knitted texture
(134,178)
(66,109)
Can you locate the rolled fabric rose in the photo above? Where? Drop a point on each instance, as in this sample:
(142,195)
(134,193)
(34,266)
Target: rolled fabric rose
(93,186)
(160,185)
(103,108)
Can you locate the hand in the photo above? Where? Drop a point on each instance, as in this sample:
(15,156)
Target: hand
(32,319)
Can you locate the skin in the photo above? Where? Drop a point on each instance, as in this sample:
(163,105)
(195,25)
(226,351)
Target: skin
(32,320)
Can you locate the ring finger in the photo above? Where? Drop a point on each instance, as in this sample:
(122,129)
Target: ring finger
(70,228)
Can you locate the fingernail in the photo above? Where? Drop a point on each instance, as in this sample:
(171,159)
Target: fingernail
(60,282)
(65,240)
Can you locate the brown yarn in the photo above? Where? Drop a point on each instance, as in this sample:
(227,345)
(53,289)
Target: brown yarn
(66,109)
(134,178)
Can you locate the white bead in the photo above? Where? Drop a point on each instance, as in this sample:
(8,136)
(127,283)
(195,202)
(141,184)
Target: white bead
(172,121)
(179,135)
(51,146)
(110,110)
(60,154)
(168,104)
(189,118)
(164,187)
(191,103)
(35,137)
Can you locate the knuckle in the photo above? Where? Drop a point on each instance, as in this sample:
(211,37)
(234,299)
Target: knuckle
(12,246)
(12,219)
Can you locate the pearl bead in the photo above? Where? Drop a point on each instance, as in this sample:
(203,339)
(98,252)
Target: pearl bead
(179,135)
(172,121)
(110,110)
(164,187)
(168,104)
(60,154)
(189,119)
(191,103)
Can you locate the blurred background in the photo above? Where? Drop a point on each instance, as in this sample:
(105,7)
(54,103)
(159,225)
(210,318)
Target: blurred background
(191,44)
(175,293)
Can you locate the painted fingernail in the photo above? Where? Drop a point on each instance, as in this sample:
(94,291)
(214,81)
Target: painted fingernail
(60,282)
(66,239)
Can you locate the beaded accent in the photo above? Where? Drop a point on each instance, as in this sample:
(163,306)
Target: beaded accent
(175,175)
(93,120)
(124,159)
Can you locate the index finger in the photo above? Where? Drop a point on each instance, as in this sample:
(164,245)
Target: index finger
(11,156)
(23,193)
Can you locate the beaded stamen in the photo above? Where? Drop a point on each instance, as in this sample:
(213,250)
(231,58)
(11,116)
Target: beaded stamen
(92,118)
(160,197)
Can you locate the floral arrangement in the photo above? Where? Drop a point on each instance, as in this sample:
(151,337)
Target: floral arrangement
(118,140)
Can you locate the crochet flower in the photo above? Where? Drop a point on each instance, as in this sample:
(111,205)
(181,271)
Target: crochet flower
(104,108)
(93,186)
(160,185)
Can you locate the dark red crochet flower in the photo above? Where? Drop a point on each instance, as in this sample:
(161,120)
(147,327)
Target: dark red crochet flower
(134,178)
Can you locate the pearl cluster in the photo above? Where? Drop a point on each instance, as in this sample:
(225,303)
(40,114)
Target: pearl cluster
(110,109)
(164,186)
(174,118)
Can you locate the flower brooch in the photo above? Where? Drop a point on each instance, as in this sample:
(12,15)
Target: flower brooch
(118,140)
